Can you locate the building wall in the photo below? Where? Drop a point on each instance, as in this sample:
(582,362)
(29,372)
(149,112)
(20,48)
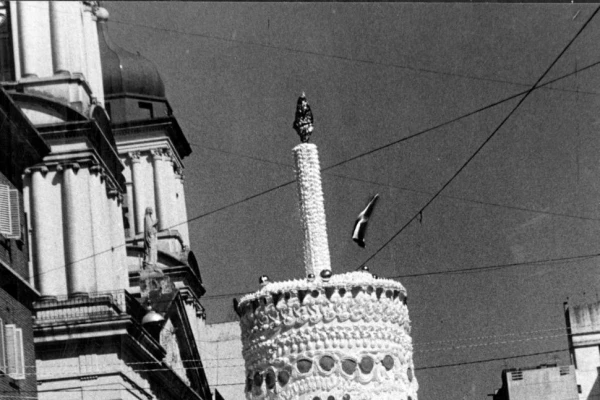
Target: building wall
(588,362)
(583,325)
(94,370)
(14,252)
(221,349)
(12,311)
(47,38)
(15,306)
(89,345)
(543,383)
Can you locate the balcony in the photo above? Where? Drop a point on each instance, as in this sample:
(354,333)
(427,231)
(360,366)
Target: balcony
(96,306)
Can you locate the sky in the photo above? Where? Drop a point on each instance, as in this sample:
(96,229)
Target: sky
(375,73)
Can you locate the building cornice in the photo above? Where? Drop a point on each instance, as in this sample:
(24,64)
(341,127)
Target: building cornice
(90,131)
(168,125)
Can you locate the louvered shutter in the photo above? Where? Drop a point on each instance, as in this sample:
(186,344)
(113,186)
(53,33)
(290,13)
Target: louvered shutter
(5,219)
(20,359)
(2,348)
(11,355)
(15,216)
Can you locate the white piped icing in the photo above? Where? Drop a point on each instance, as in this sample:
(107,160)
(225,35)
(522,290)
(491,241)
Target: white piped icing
(338,337)
(346,280)
(348,338)
(312,209)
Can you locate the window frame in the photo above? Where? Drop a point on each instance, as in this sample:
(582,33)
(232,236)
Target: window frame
(10,213)
(14,342)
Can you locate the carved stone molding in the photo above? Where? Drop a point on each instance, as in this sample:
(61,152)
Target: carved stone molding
(179,172)
(41,168)
(98,170)
(162,154)
(134,157)
(115,194)
(73,165)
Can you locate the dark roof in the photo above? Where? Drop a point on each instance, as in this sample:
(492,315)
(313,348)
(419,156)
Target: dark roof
(21,144)
(26,128)
(124,72)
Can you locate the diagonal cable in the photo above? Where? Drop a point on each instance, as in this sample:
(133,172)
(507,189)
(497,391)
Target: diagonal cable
(342,162)
(414,135)
(470,113)
(486,141)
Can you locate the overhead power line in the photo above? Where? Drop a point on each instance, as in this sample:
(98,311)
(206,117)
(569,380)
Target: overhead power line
(332,56)
(466,200)
(487,360)
(499,266)
(487,140)
(326,55)
(463,199)
(470,113)
(417,134)
(436,366)
(484,344)
(457,271)
(333,166)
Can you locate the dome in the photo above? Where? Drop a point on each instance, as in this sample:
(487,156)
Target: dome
(126,73)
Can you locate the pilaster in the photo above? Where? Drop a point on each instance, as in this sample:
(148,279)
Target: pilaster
(162,188)
(92,54)
(138,190)
(34,42)
(79,249)
(48,261)
(59,36)
(181,223)
(101,231)
(119,253)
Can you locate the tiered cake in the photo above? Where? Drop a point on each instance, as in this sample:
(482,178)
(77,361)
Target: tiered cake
(326,337)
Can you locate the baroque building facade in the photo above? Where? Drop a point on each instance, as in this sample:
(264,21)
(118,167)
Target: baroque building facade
(108,148)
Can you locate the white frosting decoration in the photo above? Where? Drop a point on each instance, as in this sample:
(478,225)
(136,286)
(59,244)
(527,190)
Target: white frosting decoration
(347,280)
(346,339)
(330,337)
(312,210)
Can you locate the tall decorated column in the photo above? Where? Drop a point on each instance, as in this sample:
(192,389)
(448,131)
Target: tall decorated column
(312,209)
(327,336)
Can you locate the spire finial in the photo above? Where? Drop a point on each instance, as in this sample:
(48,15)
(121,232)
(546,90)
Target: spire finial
(303,123)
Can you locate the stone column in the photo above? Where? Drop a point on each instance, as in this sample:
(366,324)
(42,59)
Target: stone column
(162,188)
(130,209)
(93,71)
(138,191)
(181,223)
(77,59)
(312,209)
(48,263)
(79,249)
(31,18)
(119,251)
(59,34)
(101,230)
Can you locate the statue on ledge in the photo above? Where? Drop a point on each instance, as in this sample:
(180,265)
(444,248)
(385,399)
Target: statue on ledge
(150,241)
(303,123)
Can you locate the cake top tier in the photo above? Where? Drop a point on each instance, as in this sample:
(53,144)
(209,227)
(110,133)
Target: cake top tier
(347,281)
